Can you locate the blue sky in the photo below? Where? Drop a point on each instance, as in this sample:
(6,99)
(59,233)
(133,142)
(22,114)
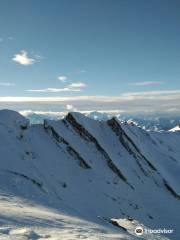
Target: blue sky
(119,54)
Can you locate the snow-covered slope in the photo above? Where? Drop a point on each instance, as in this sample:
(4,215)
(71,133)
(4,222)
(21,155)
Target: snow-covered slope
(83,173)
(177,128)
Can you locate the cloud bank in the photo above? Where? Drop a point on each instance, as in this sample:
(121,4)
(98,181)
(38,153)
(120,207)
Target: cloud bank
(147,102)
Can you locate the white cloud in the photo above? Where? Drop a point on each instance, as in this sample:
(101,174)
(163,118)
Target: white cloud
(62,78)
(1,39)
(49,113)
(125,97)
(54,90)
(77,85)
(146,83)
(6,84)
(70,107)
(23,58)
(73,87)
(151,93)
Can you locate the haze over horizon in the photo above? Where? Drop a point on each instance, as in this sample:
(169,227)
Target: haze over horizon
(90,55)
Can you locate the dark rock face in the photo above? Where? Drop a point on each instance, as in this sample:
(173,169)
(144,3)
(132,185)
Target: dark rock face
(89,137)
(128,144)
(171,190)
(132,148)
(49,129)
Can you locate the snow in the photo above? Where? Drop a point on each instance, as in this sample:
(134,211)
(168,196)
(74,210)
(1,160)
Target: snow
(48,191)
(29,221)
(177,128)
(12,119)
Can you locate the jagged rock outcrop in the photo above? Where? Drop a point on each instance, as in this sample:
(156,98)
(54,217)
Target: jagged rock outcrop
(70,149)
(89,137)
(127,142)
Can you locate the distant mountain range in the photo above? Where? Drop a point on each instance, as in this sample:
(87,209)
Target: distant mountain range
(79,178)
(153,122)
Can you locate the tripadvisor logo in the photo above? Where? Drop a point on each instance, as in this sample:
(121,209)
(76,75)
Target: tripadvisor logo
(139,230)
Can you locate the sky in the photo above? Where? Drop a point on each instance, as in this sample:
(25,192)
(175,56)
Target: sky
(60,55)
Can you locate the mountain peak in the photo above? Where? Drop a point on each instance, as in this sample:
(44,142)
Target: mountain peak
(12,119)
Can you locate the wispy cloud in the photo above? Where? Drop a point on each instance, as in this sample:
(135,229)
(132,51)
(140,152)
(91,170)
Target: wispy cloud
(10,38)
(62,78)
(73,87)
(82,71)
(146,94)
(146,83)
(23,58)
(7,84)
(54,90)
(6,38)
(77,85)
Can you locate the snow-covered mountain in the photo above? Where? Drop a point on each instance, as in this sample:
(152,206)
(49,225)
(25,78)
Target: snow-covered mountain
(80,178)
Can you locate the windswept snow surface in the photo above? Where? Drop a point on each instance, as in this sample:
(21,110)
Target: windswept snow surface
(68,179)
(23,220)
